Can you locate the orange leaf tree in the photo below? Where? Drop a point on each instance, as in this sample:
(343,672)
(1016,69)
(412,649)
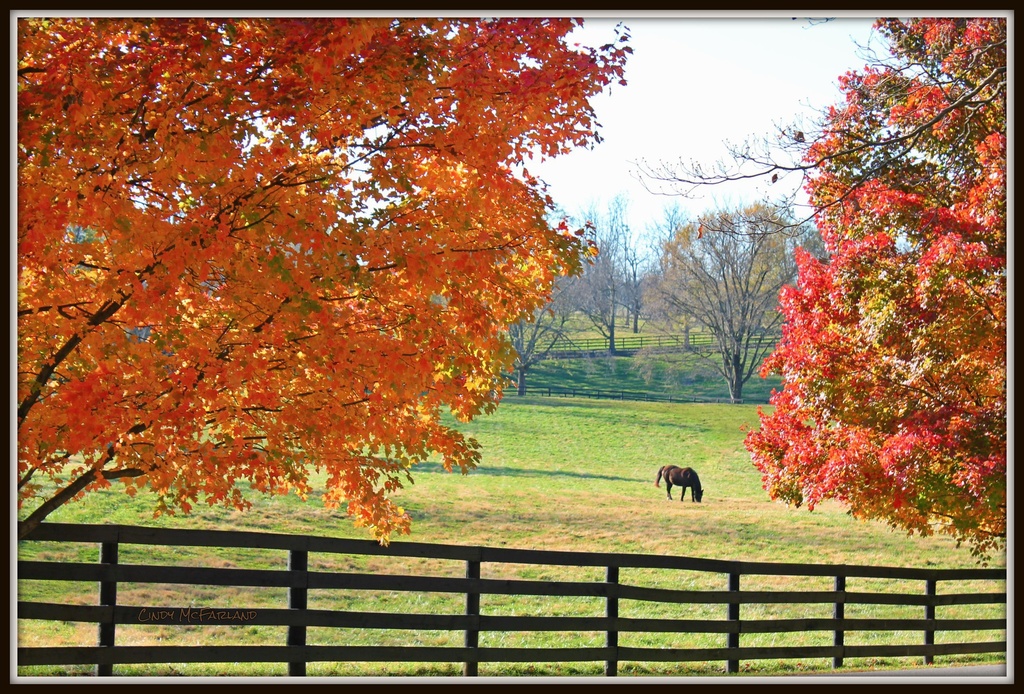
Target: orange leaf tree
(255,249)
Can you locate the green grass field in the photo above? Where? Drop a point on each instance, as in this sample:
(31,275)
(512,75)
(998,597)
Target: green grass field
(556,474)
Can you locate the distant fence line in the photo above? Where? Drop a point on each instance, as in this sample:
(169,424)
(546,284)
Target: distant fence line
(627,345)
(296,575)
(612,394)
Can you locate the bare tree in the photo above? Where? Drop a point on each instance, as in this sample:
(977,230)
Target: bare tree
(606,285)
(666,315)
(729,284)
(636,262)
(533,338)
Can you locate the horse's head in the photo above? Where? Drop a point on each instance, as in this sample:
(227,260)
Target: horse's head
(698,493)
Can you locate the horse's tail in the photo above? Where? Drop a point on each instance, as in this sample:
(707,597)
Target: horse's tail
(657,480)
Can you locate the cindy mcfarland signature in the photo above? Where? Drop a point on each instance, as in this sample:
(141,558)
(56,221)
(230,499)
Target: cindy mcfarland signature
(195,615)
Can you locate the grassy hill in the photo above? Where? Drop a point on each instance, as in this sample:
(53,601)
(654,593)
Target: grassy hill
(556,474)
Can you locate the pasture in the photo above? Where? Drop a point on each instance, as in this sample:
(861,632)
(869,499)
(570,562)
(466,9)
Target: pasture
(556,474)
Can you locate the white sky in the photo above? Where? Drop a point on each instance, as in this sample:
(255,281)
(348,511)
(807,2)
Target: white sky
(694,82)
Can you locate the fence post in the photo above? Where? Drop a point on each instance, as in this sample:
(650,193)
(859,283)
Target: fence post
(611,666)
(108,598)
(839,612)
(733,637)
(929,613)
(298,560)
(470,667)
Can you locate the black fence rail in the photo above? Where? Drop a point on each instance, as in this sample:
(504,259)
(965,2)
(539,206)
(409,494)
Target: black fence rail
(627,345)
(613,394)
(299,579)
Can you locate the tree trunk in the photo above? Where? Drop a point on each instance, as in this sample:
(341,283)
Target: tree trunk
(611,335)
(736,384)
(521,380)
(67,493)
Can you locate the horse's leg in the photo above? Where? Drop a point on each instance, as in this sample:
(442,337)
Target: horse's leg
(668,489)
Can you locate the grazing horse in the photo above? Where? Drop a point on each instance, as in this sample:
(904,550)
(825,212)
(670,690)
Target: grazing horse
(682,478)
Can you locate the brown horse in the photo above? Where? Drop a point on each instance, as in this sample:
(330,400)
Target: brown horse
(680,477)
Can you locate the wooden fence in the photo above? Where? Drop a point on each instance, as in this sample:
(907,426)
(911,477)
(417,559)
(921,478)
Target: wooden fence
(296,576)
(613,394)
(626,345)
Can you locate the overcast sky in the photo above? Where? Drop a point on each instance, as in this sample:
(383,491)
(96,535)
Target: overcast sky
(694,82)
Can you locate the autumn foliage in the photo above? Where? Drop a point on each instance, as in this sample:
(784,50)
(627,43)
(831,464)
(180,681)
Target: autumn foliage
(260,249)
(893,357)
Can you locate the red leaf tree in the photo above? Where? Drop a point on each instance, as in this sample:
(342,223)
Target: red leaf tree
(259,249)
(893,355)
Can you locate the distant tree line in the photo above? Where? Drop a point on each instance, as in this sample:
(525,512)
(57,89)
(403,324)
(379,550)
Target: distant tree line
(720,273)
